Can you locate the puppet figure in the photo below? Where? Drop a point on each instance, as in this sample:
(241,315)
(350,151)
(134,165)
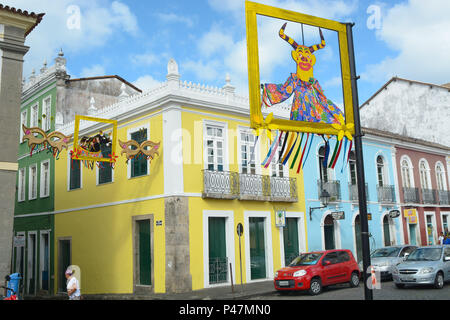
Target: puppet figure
(309,102)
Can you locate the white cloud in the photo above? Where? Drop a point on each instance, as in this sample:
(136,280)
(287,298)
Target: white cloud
(209,70)
(174,18)
(213,42)
(146,82)
(94,71)
(145,59)
(98,24)
(418,31)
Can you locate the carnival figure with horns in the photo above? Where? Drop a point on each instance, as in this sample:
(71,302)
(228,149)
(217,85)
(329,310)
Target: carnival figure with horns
(309,103)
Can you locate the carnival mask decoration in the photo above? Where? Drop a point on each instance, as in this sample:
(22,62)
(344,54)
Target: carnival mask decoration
(54,141)
(133,149)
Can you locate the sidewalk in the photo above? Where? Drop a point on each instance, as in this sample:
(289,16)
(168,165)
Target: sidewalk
(216,293)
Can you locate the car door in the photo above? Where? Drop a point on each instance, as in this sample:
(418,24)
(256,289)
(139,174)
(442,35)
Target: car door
(332,270)
(345,264)
(447,264)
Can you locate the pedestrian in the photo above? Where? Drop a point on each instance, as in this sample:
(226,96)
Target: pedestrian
(441,238)
(73,287)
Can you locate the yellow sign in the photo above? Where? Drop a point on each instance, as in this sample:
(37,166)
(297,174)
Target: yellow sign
(330,121)
(411,214)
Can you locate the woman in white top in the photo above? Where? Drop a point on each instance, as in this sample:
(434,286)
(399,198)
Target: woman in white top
(73,287)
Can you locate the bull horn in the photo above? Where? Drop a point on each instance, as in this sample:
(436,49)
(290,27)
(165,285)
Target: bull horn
(287,38)
(319,46)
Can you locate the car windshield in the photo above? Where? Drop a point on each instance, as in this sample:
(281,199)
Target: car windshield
(305,259)
(425,254)
(385,252)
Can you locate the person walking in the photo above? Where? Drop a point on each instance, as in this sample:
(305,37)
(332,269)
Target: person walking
(73,286)
(441,238)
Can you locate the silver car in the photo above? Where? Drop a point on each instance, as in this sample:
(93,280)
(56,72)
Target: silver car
(425,265)
(383,259)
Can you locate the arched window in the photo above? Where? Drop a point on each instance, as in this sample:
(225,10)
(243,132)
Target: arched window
(440,177)
(424,175)
(381,171)
(406,174)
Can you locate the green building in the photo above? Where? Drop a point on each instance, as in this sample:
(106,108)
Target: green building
(49,100)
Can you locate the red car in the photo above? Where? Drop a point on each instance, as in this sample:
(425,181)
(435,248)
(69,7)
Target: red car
(315,270)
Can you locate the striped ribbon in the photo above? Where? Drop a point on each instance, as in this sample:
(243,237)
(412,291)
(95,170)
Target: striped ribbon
(297,152)
(303,153)
(285,160)
(309,149)
(274,151)
(284,145)
(337,155)
(270,150)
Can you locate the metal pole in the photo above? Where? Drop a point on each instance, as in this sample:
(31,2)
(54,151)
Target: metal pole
(231,278)
(240,261)
(368,294)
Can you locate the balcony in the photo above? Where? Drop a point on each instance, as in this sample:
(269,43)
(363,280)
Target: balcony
(232,185)
(429,196)
(353,192)
(411,195)
(333,188)
(444,197)
(386,194)
(220,184)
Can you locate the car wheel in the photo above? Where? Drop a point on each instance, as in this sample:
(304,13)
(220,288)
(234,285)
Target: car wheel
(400,285)
(315,287)
(439,281)
(354,280)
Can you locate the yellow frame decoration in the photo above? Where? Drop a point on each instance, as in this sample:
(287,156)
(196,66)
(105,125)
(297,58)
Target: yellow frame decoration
(76,146)
(257,120)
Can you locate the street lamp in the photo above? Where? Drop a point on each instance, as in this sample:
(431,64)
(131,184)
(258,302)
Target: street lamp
(324,198)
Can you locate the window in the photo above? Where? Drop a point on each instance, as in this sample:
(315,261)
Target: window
(440,177)
(424,171)
(32,183)
(23,121)
(332,257)
(343,256)
(46,114)
(215,143)
(21,187)
(105,168)
(277,168)
(381,171)
(406,174)
(326,174)
(352,167)
(45,179)
(139,165)
(75,174)
(247,143)
(34,116)
(407,250)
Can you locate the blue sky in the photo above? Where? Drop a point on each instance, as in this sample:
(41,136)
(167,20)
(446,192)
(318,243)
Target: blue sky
(135,39)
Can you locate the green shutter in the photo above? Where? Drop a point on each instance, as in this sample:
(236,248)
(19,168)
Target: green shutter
(290,236)
(257,248)
(75,174)
(105,171)
(139,166)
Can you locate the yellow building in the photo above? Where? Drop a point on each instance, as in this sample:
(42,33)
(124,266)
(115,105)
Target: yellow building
(170,225)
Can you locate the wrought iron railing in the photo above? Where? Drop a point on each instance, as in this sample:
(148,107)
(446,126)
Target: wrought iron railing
(333,187)
(429,196)
(411,195)
(353,192)
(218,270)
(283,189)
(220,184)
(444,197)
(231,185)
(253,187)
(386,193)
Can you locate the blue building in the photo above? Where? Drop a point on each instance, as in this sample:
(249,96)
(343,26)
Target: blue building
(329,231)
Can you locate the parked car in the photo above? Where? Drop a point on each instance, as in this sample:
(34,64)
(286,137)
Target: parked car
(315,270)
(383,259)
(425,265)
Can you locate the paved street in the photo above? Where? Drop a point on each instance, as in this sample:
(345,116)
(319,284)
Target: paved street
(388,291)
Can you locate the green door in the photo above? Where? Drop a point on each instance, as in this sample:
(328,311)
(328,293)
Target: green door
(329,233)
(290,235)
(257,249)
(145,260)
(218,264)
(65,261)
(412,234)
(387,233)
